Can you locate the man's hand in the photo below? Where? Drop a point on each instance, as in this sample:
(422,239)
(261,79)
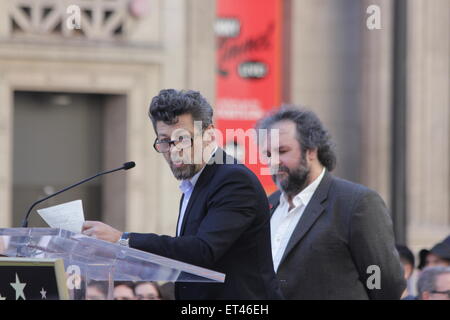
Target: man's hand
(101,231)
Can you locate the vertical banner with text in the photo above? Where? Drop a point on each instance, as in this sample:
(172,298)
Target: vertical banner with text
(248,77)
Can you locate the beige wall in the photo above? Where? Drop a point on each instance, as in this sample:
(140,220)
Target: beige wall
(428,121)
(325,72)
(159,56)
(133,81)
(5,151)
(338,68)
(344,72)
(375,101)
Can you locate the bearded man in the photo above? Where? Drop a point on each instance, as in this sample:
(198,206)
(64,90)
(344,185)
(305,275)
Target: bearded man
(223,221)
(331,238)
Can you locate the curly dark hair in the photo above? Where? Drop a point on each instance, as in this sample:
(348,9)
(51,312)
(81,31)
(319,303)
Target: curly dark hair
(171,103)
(310,132)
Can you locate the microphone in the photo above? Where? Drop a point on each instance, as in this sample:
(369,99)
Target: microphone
(125,166)
(128,165)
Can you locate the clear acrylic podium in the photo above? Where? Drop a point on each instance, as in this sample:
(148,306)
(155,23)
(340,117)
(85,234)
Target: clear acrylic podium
(87,259)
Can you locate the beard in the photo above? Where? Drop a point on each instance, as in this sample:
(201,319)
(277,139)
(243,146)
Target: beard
(181,165)
(185,171)
(295,180)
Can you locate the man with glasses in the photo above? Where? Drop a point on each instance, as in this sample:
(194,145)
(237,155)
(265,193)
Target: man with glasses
(224,218)
(434,283)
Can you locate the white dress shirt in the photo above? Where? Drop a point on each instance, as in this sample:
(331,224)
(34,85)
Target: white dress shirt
(284,221)
(186,187)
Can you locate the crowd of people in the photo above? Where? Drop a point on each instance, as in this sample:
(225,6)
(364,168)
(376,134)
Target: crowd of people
(433,272)
(428,279)
(128,290)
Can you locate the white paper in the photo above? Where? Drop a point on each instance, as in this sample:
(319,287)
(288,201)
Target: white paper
(67,216)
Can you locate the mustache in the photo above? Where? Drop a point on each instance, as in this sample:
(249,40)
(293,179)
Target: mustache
(280,169)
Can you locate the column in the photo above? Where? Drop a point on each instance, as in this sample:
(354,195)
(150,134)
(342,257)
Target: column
(428,160)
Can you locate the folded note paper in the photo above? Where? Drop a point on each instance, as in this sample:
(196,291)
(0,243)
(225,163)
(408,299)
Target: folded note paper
(67,216)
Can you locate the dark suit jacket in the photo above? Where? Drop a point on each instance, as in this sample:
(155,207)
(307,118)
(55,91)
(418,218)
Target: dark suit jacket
(226,228)
(344,229)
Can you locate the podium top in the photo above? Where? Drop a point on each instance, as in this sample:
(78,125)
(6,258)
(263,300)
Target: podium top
(98,259)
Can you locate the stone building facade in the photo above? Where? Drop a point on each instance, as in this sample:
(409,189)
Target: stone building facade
(126,51)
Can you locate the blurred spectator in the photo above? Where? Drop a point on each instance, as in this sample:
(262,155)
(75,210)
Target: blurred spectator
(408,262)
(167,291)
(96,291)
(422,257)
(434,283)
(124,291)
(439,255)
(147,291)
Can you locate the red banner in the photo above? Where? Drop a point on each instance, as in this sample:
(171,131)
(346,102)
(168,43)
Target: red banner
(248,73)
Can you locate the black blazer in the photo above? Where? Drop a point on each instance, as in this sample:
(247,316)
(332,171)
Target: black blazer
(344,229)
(226,228)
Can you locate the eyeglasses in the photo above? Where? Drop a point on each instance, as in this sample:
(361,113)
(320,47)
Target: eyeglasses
(163,146)
(447,292)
